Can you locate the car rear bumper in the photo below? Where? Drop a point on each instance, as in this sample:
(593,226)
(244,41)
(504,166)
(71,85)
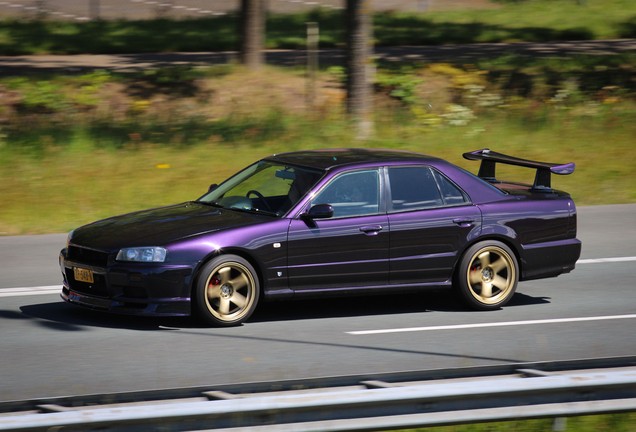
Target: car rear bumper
(549,259)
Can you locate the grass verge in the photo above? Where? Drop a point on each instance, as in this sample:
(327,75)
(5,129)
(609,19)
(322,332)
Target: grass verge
(74,150)
(600,423)
(60,188)
(528,21)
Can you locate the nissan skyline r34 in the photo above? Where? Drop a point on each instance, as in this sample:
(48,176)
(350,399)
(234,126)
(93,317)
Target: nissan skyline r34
(328,222)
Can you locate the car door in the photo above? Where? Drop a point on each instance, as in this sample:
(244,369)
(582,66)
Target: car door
(349,249)
(431,220)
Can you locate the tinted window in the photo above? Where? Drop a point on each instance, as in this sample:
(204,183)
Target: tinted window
(413,188)
(450,193)
(352,194)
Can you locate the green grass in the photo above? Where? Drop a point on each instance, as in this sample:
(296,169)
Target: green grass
(529,20)
(58,188)
(601,423)
(522,21)
(117,37)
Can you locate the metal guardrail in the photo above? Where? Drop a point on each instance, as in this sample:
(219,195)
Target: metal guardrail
(452,396)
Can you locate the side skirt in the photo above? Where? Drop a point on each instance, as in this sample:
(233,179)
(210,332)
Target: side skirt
(358,291)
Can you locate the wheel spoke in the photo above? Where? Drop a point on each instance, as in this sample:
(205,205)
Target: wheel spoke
(500,282)
(224,306)
(239,300)
(213,292)
(224,274)
(499,265)
(239,282)
(484,258)
(474,277)
(486,289)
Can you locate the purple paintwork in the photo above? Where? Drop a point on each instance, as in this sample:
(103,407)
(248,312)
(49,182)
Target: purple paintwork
(294,256)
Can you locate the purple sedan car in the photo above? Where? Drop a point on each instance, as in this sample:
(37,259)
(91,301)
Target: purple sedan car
(328,222)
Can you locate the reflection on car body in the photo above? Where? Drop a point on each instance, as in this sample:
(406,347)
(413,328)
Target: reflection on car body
(328,222)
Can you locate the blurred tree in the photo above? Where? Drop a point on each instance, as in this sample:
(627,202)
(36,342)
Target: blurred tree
(359,67)
(252,33)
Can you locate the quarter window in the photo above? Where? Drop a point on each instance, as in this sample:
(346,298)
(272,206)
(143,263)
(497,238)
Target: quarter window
(450,193)
(352,194)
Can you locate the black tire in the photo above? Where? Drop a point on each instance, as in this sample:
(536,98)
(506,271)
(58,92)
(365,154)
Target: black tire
(487,275)
(227,291)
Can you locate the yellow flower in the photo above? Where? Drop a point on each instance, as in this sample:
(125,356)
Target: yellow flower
(140,105)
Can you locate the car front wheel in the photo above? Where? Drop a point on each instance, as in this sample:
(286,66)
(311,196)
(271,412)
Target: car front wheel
(487,276)
(227,291)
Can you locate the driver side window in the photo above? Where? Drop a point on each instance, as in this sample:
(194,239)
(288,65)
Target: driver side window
(352,194)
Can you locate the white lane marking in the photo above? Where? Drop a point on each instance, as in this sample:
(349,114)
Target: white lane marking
(498,324)
(605,260)
(26,291)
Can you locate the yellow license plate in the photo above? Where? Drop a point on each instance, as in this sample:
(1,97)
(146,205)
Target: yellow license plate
(83,275)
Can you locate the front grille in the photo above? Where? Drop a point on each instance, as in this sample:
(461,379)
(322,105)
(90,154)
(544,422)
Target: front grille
(89,257)
(97,288)
(134,292)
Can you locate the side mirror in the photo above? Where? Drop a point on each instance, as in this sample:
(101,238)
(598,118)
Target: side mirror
(319,211)
(212,187)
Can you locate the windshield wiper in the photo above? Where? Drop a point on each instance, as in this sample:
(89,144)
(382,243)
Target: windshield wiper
(256,211)
(210,203)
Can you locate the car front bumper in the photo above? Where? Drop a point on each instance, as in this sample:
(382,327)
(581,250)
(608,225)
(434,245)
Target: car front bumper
(158,289)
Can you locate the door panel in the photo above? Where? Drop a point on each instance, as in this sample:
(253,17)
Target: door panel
(349,250)
(338,253)
(428,227)
(424,244)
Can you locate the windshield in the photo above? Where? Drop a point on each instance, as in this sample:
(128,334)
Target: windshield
(265,187)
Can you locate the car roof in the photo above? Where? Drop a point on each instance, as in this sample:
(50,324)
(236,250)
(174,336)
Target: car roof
(333,158)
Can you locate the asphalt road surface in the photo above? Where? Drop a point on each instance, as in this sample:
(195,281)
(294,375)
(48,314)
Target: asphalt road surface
(50,348)
(82,63)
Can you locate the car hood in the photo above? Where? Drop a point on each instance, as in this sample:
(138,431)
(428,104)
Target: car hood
(160,226)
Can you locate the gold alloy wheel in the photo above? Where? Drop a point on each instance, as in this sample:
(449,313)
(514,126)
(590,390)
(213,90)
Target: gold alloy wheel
(230,292)
(491,275)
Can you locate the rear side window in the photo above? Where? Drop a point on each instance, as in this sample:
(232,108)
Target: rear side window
(413,188)
(450,193)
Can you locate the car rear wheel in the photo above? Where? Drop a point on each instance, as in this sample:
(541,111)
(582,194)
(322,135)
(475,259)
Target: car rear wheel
(487,276)
(227,291)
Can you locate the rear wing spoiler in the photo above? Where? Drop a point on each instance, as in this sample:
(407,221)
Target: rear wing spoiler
(542,181)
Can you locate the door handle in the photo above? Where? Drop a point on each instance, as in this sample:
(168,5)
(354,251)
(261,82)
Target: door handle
(371,229)
(465,222)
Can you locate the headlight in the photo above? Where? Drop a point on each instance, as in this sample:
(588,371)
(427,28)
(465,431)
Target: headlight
(144,254)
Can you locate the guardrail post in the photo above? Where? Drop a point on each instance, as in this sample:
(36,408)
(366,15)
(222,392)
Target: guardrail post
(423,5)
(40,9)
(560,424)
(94,8)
